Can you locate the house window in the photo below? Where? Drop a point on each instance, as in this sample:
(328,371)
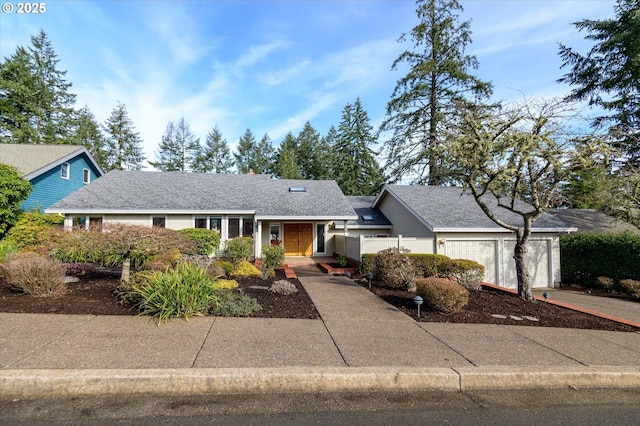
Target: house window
(79,222)
(320,237)
(95,223)
(247,227)
(215,224)
(234,227)
(86,176)
(64,170)
(159,222)
(200,222)
(274,230)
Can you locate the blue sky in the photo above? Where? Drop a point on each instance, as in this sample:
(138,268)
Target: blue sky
(273,65)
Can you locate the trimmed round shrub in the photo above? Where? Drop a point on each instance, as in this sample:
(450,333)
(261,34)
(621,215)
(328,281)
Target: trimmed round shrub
(442,294)
(207,242)
(32,273)
(239,249)
(394,269)
(245,269)
(428,265)
(233,304)
(468,273)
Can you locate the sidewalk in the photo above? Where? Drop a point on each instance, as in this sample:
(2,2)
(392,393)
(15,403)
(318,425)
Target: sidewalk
(360,343)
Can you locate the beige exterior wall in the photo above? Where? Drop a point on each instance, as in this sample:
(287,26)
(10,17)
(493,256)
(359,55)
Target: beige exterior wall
(404,223)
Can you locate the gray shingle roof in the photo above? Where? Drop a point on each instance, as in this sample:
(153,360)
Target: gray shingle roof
(362,204)
(588,220)
(146,192)
(32,159)
(450,208)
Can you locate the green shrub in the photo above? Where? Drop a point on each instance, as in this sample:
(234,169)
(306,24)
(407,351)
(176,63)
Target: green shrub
(225,284)
(85,246)
(367,264)
(442,294)
(33,273)
(631,287)
(207,242)
(604,283)
(467,272)
(234,304)
(226,266)
(14,189)
(32,229)
(239,249)
(393,268)
(272,257)
(283,287)
(245,269)
(183,291)
(428,265)
(6,248)
(216,271)
(588,256)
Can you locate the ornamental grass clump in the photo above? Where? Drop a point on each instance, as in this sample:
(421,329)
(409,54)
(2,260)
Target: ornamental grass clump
(33,273)
(442,294)
(283,287)
(183,291)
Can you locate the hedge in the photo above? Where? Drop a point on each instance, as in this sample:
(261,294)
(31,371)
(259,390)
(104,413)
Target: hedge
(585,257)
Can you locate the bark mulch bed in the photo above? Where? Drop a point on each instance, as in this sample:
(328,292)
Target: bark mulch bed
(96,294)
(484,303)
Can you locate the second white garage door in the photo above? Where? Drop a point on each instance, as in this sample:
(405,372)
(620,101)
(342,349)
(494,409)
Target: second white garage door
(538,263)
(482,251)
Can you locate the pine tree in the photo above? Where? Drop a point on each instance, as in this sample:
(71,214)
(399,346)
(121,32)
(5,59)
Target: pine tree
(609,75)
(358,172)
(179,148)
(327,146)
(308,142)
(87,133)
(17,98)
(215,156)
(264,156)
(54,104)
(285,165)
(124,143)
(437,88)
(245,152)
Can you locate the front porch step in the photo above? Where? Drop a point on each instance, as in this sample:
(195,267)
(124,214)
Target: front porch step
(336,271)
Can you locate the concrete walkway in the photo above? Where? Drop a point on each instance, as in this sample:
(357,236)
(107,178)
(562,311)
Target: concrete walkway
(360,343)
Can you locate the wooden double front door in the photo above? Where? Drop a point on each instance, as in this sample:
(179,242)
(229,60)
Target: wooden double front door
(298,239)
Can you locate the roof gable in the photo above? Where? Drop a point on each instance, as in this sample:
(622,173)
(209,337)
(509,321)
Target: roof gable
(32,160)
(452,209)
(144,192)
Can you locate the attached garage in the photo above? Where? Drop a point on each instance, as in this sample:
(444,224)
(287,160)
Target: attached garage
(482,251)
(539,271)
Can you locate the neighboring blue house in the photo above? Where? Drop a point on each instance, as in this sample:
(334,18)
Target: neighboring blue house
(54,171)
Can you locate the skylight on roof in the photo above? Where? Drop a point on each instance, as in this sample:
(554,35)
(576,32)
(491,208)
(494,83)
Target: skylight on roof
(367,217)
(297,189)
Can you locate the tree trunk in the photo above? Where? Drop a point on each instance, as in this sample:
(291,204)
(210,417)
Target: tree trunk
(126,270)
(521,256)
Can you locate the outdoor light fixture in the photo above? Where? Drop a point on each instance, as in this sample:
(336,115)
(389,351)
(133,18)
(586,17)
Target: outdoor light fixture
(369,277)
(545,295)
(418,301)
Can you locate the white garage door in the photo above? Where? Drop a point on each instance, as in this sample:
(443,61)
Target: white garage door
(538,263)
(483,252)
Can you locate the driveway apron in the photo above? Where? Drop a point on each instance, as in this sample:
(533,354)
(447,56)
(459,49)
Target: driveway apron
(370,332)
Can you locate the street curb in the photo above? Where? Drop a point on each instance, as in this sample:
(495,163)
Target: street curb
(95,382)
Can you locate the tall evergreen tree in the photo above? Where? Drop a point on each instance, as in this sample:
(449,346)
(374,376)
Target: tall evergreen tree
(308,155)
(87,133)
(245,152)
(327,146)
(178,149)
(53,119)
(609,75)
(285,165)
(357,171)
(263,160)
(36,105)
(124,143)
(215,156)
(432,95)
